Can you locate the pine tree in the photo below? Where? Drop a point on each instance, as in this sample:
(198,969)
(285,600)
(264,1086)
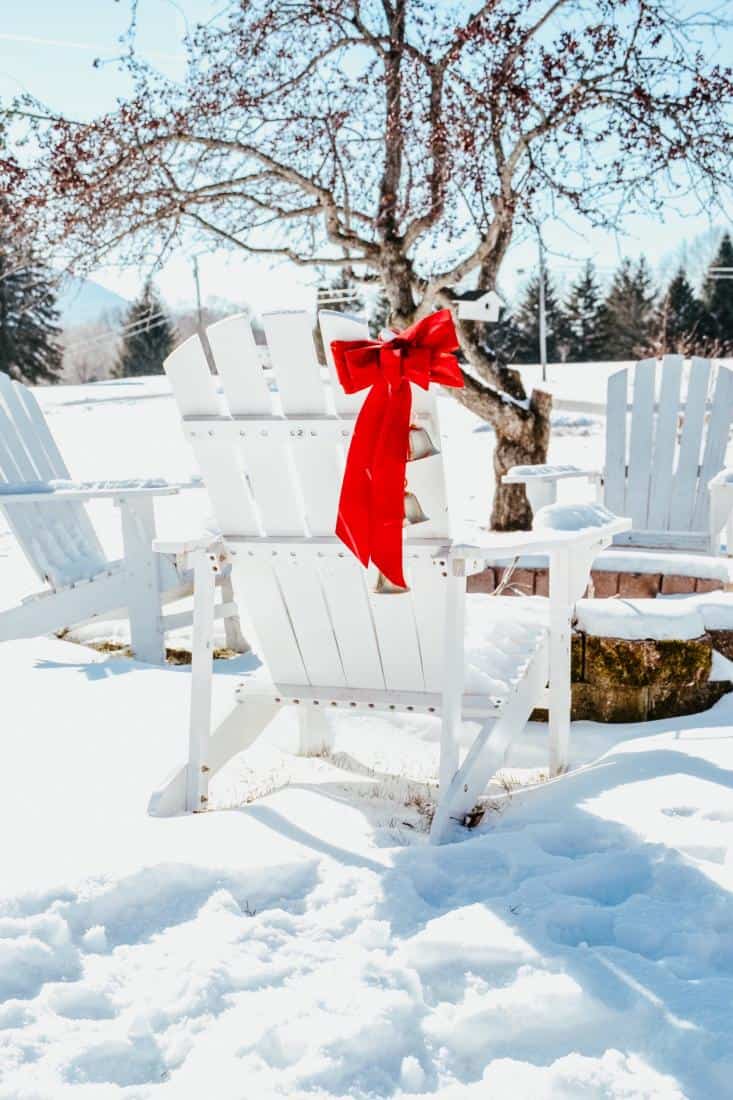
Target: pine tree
(379,315)
(717,297)
(627,313)
(583,315)
(679,318)
(29,320)
(527,322)
(149,337)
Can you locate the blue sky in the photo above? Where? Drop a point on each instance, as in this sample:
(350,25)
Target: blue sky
(47,48)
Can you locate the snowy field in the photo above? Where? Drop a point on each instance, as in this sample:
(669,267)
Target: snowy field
(302,940)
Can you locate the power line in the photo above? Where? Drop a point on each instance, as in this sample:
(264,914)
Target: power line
(130,329)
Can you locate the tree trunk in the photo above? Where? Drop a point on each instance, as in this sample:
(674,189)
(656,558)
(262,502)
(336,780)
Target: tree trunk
(511,510)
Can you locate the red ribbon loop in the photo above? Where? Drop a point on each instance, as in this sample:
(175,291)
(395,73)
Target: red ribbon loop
(372,504)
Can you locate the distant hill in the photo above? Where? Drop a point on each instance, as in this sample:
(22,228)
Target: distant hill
(83,302)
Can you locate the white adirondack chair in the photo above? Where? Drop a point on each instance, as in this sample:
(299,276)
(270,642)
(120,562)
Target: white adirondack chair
(665,453)
(273,464)
(46,513)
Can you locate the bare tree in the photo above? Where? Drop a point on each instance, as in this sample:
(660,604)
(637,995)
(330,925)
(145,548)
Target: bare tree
(402,140)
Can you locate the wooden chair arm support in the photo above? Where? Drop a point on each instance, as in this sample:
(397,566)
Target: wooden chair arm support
(50,496)
(524,475)
(190,545)
(493,544)
(721,510)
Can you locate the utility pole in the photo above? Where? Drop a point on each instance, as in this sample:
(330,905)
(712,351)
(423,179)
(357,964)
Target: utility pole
(543,312)
(197,284)
(200,318)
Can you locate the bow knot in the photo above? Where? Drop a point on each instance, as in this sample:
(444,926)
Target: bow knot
(371,506)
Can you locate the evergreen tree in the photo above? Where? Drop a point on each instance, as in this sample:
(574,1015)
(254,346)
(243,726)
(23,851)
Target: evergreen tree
(718,297)
(679,318)
(149,337)
(527,324)
(627,313)
(380,312)
(29,320)
(583,315)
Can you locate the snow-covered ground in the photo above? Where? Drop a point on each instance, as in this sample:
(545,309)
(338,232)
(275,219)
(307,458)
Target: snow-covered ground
(302,940)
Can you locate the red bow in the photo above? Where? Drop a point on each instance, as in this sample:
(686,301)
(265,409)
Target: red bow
(372,504)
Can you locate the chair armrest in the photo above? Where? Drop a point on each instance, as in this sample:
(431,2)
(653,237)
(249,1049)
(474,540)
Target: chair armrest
(35,492)
(558,525)
(205,541)
(721,510)
(523,475)
(724,479)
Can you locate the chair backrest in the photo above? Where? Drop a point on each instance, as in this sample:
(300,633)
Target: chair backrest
(662,453)
(272,457)
(58,539)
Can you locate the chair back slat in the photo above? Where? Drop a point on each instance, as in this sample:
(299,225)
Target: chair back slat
(688,460)
(300,584)
(665,442)
(265,618)
(641,439)
(239,367)
(312,461)
(615,476)
(314,616)
(195,392)
(399,645)
(716,442)
(429,591)
(348,603)
(677,439)
(341,326)
(58,538)
(295,366)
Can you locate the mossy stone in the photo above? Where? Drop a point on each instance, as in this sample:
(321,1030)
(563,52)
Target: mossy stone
(620,662)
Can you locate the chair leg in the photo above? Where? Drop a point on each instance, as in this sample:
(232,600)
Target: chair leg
(560,687)
(315,733)
(235,640)
(202,670)
(144,603)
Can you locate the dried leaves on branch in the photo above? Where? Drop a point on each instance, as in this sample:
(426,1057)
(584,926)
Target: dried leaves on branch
(403,140)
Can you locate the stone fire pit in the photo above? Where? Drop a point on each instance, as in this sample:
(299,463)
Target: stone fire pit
(653,639)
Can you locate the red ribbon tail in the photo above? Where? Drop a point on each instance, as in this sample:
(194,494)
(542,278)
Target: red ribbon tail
(354,522)
(388,493)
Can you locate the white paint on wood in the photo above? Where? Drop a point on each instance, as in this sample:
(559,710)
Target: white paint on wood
(561,608)
(202,656)
(341,326)
(688,460)
(394,620)
(615,470)
(221,466)
(144,590)
(665,442)
(292,354)
(301,590)
(239,366)
(716,442)
(454,631)
(343,580)
(640,442)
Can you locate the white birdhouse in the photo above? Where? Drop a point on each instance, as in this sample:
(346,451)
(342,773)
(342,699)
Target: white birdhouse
(484,306)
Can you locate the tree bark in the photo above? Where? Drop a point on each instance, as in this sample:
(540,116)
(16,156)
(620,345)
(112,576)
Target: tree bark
(511,510)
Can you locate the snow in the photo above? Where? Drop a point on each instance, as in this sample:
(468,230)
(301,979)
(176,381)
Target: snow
(640,618)
(302,940)
(571,517)
(545,472)
(105,486)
